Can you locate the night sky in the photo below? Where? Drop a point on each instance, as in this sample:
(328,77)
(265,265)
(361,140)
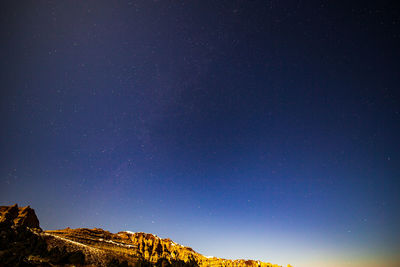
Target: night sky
(245,129)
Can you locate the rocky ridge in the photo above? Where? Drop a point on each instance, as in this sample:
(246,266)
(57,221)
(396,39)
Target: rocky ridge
(23,243)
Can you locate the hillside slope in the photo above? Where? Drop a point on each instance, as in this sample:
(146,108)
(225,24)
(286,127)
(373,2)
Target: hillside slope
(23,243)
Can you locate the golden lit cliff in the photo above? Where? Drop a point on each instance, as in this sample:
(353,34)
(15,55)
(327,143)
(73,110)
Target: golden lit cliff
(22,242)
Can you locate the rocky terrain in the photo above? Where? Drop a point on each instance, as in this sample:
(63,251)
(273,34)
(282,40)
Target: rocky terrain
(23,243)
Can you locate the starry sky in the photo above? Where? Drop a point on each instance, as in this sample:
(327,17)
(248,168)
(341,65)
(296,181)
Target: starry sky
(245,129)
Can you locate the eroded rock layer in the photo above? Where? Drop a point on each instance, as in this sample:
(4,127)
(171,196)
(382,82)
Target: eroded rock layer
(147,247)
(23,243)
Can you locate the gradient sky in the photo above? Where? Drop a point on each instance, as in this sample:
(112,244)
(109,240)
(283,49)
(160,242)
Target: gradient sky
(244,129)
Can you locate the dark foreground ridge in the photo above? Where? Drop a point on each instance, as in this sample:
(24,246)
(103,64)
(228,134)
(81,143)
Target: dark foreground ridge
(24,243)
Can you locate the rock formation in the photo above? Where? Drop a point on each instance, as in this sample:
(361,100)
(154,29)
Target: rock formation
(143,247)
(20,217)
(23,243)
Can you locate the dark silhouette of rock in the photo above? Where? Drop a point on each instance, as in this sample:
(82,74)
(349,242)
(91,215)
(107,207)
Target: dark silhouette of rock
(8,214)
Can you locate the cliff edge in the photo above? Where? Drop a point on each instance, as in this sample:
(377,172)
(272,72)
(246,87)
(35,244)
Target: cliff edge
(23,243)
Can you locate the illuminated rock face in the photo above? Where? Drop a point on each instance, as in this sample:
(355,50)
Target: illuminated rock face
(147,248)
(20,217)
(23,243)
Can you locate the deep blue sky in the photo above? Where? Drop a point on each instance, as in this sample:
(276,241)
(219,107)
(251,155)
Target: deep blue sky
(245,129)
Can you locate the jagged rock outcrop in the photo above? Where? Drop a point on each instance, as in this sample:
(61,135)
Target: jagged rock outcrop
(23,243)
(20,217)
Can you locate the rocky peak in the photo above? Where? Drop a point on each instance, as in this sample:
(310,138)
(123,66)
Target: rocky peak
(18,216)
